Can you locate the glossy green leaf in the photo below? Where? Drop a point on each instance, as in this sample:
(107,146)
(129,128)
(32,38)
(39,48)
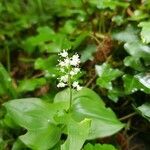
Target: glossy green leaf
(133,62)
(145,31)
(144,79)
(35,115)
(85,106)
(106,74)
(77,134)
(135,83)
(145,110)
(127,35)
(46,137)
(99,147)
(18,145)
(64,96)
(31,84)
(138,50)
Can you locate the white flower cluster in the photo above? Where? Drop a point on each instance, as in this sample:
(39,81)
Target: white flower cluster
(69,68)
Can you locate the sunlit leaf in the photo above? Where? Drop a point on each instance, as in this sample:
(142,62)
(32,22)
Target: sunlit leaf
(35,115)
(138,50)
(134,83)
(145,110)
(106,74)
(145,31)
(133,62)
(85,106)
(127,35)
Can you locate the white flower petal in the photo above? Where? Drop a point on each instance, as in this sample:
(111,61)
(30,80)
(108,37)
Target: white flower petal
(79,88)
(61,84)
(75,84)
(64,53)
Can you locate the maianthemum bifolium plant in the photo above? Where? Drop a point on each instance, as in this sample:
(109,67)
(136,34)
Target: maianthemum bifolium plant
(112,39)
(77,112)
(69,70)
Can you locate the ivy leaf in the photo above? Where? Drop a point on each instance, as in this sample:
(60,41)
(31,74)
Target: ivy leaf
(145,110)
(127,35)
(44,34)
(135,83)
(87,106)
(59,42)
(138,50)
(31,84)
(106,75)
(144,78)
(99,147)
(48,65)
(36,116)
(77,134)
(145,31)
(133,62)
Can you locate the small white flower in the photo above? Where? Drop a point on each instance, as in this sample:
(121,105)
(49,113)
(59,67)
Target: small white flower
(75,84)
(64,53)
(75,60)
(67,62)
(68,67)
(64,78)
(61,84)
(61,63)
(79,88)
(64,63)
(74,71)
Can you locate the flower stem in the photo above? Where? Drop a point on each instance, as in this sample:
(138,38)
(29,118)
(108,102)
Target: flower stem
(70,91)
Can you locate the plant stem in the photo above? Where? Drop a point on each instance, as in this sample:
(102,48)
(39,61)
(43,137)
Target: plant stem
(70,92)
(128,116)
